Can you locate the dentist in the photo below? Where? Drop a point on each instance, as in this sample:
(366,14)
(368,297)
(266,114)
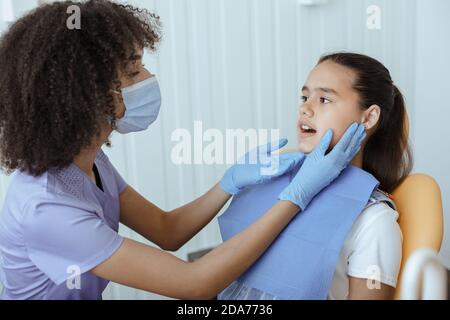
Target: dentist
(62,93)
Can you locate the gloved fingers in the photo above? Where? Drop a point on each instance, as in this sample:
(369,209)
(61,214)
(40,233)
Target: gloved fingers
(344,142)
(283,166)
(355,144)
(270,159)
(296,161)
(352,154)
(324,144)
(296,156)
(286,166)
(272,146)
(290,161)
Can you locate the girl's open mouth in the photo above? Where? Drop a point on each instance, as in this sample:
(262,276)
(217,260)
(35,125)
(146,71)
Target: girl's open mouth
(306,131)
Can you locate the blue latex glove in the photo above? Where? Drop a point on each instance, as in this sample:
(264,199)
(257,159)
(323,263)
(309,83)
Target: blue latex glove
(319,170)
(259,166)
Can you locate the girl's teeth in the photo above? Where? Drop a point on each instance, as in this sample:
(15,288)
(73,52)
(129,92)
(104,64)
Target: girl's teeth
(307,129)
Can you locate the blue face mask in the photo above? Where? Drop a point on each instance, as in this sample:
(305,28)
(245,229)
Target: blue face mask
(142,102)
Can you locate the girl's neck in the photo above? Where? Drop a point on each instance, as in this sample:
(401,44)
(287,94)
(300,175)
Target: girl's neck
(358,160)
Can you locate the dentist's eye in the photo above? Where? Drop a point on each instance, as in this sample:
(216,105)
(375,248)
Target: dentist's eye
(133,75)
(324,100)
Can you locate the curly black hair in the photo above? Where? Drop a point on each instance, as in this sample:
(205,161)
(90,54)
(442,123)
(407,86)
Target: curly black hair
(55,82)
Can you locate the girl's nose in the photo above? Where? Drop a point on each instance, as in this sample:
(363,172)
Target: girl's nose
(306,110)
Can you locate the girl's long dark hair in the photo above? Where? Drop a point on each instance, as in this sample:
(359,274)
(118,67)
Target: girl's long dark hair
(387,154)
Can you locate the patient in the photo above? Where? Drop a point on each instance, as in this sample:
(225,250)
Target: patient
(344,88)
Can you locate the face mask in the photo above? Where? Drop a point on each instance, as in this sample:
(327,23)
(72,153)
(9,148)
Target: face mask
(143,102)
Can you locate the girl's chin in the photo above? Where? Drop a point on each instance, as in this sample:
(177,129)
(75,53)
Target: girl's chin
(305,147)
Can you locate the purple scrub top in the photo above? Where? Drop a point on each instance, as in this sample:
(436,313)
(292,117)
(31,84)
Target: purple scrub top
(55,228)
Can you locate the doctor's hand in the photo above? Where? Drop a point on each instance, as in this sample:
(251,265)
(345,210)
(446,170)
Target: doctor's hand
(259,166)
(319,170)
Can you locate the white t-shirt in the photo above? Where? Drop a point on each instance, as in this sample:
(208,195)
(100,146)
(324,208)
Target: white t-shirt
(372,250)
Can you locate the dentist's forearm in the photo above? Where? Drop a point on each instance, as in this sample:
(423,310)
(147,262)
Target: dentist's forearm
(224,264)
(185,222)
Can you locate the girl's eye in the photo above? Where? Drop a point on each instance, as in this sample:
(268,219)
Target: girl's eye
(304,99)
(324,100)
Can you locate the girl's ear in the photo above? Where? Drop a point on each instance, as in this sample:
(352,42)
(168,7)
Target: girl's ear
(371,116)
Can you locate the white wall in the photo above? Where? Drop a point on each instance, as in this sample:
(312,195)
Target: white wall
(240,64)
(431,122)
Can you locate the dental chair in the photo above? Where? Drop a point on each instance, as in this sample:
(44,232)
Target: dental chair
(424,277)
(419,203)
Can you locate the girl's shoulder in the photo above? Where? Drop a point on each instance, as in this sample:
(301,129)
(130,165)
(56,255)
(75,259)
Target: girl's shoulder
(378,217)
(379,196)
